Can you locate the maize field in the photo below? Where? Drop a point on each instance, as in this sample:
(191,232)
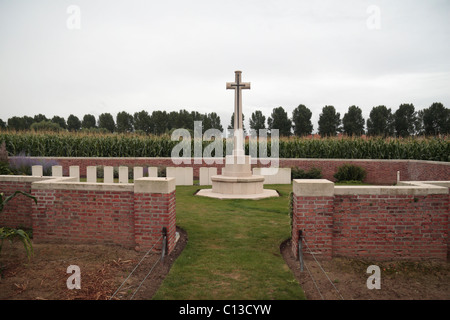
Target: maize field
(68,144)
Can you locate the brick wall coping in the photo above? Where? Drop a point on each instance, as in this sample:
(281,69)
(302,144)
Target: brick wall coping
(141,185)
(262,159)
(23,178)
(420,190)
(154,185)
(435,183)
(68,183)
(326,188)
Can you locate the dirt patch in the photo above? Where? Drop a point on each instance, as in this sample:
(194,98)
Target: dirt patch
(103,269)
(400,280)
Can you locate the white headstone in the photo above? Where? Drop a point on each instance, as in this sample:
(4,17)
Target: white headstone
(74,172)
(153,172)
(123,174)
(108,174)
(274,175)
(91,174)
(188,176)
(183,176)
(180,176)
(170,172)
(37,171)
(138,172)
(205,174)
(57,171)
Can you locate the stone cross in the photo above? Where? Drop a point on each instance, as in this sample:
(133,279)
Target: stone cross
(238,86)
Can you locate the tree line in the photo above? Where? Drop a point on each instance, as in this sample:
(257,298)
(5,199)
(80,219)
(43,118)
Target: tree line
(382,121)
(405,121)
(157,123)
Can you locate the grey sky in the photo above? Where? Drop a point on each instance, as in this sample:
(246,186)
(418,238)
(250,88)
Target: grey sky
(168,55)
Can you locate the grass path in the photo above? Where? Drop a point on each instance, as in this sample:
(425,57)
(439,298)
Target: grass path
(232,250)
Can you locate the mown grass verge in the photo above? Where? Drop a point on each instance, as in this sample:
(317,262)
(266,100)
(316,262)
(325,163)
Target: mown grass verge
(233,249)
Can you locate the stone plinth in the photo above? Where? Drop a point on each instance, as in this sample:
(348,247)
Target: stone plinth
(237,185)
(237,166)
(237,181)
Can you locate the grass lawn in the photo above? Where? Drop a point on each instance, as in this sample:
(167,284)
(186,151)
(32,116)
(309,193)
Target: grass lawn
(232,250)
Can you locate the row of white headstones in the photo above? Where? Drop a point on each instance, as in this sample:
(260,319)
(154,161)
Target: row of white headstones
(182,175)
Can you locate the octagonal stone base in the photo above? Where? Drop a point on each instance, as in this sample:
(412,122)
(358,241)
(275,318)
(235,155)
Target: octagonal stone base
(226,187)
(257,196)
(237,185)
(237,181)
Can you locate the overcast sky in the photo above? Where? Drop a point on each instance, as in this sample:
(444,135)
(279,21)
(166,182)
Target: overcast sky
(78,57)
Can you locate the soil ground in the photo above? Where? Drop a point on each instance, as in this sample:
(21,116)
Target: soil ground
(103,269)
(400,280)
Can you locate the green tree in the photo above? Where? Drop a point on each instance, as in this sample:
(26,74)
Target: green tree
(301,118)
(257,121)
(45,125)
(88,122)
(73,123)
(212,121)
(2,124)
(418,125)
(124,122)
(60,121)
(20,123)
(142,121)
(231,125)
(279,120)
(329,121)
(106,121)
(380,122)
(160,122)
(436,119)
(39,118)
(183,119)
(405,120)
(16,123)
(353,122)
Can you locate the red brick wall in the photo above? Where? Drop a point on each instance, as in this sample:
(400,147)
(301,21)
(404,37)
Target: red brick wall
(72,215)
(428,170)
(84,217)
(314,216)
(152,212)
(17,212)
(378,171)
(378,227)
(390,227)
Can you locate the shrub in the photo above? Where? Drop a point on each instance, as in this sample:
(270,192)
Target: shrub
(313,173)
(4,169)
(4,160)
(11,233)
(350,172)
(162,172)
(46,126)
(3,153)
(21,165)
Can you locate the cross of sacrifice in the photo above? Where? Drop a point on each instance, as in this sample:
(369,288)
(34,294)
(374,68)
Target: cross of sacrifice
(237,86)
